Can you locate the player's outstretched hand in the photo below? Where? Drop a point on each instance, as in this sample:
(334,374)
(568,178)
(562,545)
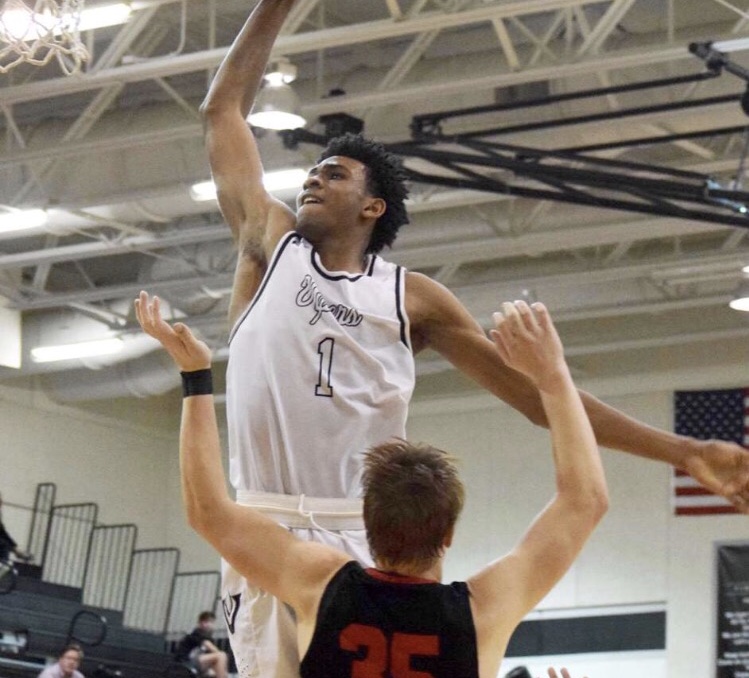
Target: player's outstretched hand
(180,343)
(528,342)
(722,467)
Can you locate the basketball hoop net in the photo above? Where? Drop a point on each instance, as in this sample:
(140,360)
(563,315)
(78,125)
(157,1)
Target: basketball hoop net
(35,35)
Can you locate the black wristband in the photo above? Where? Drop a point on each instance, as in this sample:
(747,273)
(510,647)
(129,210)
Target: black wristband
(198,382)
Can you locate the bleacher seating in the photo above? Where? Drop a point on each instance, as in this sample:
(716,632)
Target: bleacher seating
(46,611)
(136,602)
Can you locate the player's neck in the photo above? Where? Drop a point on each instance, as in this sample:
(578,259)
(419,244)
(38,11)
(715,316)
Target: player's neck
(342,256)
(432,572)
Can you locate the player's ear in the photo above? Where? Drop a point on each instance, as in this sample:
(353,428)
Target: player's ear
(374,208)
(447,542)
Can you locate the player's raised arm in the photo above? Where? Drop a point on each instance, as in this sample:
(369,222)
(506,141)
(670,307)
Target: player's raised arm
(505,591)
(257,547)
(440,321)
(257,220)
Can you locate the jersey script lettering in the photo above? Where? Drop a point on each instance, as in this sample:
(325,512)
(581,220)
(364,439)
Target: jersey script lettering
(309,295)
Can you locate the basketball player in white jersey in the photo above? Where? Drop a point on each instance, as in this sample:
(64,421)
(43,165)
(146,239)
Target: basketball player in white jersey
(324,331)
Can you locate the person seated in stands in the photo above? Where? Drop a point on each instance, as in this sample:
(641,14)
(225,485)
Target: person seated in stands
(67,664)
(8,545)
(198,651)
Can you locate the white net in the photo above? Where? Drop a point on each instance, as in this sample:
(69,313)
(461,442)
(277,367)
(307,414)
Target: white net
(37,31)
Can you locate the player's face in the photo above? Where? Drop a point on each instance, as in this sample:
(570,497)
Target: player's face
(333,195)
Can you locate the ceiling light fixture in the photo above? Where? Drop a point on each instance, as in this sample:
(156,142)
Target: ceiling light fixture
(277,106)
(735,45)
(740,301)
(19,220)
(82,349)
(203,191)
(274,182)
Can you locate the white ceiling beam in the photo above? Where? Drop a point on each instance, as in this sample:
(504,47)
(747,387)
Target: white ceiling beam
(425,91)
(540,45)
(109,143)
(505,42)
(732,7)
(285,45)
(553,28)
(298,15)
(394,8)
(127,291)
(605,26)
(90,250)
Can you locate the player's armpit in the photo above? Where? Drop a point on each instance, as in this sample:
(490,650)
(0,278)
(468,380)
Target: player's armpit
(439,321)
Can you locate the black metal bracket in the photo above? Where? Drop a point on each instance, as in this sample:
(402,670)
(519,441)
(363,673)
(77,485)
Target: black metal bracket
(477,161)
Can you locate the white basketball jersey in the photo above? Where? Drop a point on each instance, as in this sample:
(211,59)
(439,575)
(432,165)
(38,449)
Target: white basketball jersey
(320,369)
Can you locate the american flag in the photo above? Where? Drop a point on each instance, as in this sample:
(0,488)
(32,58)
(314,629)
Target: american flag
(720,414)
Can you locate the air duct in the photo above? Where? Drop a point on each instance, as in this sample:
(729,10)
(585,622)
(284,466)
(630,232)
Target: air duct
(152,374)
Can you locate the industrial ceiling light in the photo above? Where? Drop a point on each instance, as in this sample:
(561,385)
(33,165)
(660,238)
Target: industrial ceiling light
(19,220)
(81,349)
(735,45)
(277,105)
(740,301)
(274,182)
(203,191)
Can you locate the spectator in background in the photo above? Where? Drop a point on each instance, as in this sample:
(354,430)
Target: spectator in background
(8,545)
(67,664)
(198,651)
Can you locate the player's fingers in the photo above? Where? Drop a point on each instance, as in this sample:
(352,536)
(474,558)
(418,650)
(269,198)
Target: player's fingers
(541,314)
(527,316)
(513,322)
(509,311)
(552,672)
(142,311)
(738,498)
(185,333)
(155,309)
(736,491)
(138,315)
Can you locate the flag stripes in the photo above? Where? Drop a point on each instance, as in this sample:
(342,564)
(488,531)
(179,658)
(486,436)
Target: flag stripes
(722,415)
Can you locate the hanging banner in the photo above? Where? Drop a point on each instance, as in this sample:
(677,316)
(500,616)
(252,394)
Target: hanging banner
(733,611)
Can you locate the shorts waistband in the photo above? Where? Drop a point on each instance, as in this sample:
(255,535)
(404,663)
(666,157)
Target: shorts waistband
(301,511)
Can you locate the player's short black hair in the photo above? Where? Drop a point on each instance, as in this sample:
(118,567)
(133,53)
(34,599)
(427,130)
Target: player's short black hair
(386,179)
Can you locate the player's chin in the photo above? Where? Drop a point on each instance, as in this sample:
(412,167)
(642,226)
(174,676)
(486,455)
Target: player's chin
(311,229)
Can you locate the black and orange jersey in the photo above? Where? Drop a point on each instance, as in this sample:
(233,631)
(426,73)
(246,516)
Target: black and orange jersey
(373,624)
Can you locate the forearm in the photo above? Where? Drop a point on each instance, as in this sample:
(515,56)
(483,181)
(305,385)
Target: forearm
(208,645)
(615,430)
(239,77)
(579,470)
(203,485)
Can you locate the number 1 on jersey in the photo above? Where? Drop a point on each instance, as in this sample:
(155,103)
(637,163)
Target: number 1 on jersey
(325,351)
